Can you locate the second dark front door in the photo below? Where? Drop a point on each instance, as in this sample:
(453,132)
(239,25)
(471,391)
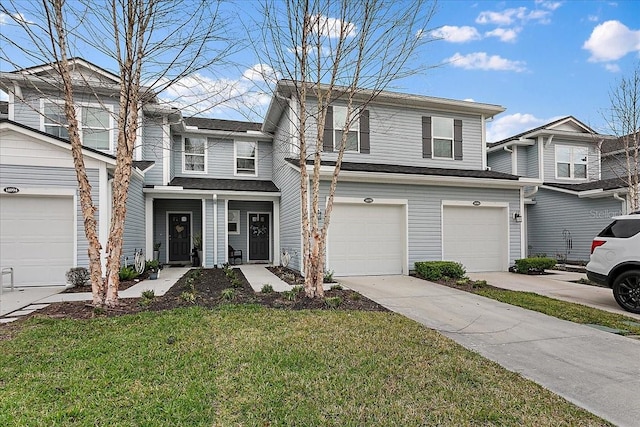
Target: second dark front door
(180,237)
(259,232)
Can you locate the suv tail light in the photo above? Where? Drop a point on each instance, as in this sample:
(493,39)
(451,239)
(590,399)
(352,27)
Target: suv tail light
(597,243)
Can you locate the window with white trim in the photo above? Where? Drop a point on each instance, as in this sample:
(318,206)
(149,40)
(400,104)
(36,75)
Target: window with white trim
(94,124)
(233,224)
(571,162)
(194,155)
(246,154)
(442,137)
(353,136)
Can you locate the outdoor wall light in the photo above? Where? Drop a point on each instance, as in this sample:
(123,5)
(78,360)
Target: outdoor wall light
(517,217)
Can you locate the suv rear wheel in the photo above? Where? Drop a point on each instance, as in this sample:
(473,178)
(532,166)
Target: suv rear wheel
(626,290)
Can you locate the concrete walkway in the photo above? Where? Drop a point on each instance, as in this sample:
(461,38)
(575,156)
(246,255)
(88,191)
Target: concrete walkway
(596,370)
(25,300)
(258,275)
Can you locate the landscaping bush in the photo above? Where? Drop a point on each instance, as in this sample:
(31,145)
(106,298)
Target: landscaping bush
(128,273)
(152,265)
(78,276)
(534,265)
(436,270)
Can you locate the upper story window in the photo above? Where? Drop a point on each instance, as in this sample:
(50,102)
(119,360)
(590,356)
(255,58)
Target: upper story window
(246,154)
(442,137)
(571,162)
(194,155)
(339,120)
(95,124)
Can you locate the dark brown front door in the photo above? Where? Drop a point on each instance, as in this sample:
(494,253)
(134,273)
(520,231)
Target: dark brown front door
(180,237)
(259,232)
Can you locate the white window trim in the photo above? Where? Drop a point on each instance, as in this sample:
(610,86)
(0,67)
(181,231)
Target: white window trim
(434,137)
(571,176)
(235,159)
(78,108)
(184,156)
(236,212)
(355,127)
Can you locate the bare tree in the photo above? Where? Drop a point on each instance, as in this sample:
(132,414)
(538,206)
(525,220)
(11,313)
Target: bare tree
(154,44)
(623,120)
(336,51)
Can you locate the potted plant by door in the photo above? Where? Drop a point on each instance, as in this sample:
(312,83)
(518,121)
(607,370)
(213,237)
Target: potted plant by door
(197,245)
(156,251)
(153,268)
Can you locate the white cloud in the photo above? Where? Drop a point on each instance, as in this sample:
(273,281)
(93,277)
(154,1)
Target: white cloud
(14,17)
(455,34)
(612,40)
(482,61)
(510,16)
(512,124)
(3,96)
(551,5)
(332,27)
(614,68)
(504,34)
(593,18)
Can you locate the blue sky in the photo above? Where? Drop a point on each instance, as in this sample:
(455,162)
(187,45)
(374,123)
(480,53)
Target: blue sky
(539,59)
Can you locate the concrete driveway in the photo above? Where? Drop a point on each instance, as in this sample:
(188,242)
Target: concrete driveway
(596,370)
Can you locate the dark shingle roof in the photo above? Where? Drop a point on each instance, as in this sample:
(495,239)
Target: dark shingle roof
(618,143)
(604,184)
(143,164)
(224,184)
(520,135)
(223,125)
(414,170)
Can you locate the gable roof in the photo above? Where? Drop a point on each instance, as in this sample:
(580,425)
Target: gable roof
(222,125)
(73,62)
(550,127)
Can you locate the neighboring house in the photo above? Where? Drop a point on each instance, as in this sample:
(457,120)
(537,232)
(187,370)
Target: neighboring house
(414,183)
(573,198)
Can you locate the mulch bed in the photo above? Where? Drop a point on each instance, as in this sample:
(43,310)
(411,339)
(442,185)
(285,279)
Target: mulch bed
(210,288)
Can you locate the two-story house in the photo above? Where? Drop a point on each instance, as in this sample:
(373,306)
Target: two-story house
(573,198)
(414,183)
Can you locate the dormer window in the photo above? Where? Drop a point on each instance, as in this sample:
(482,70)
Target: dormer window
(94,124)
(571,162)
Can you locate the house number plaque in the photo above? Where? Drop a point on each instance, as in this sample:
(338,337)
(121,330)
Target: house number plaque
(11,190)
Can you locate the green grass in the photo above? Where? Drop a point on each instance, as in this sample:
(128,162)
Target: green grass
(573,312)
(251,366)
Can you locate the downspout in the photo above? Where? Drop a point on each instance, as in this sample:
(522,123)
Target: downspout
(624,202)
(532,193)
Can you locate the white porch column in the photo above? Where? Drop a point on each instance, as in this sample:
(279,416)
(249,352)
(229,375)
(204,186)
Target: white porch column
(204,232)
(148,226)
(276,232)
(226,231)
(215,229)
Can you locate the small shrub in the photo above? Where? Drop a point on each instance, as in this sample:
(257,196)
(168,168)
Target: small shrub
(462,282)
(479,284)
(336,287)
(236,283)
(78,276)
(99,311)
(267,289)
(230,273)
(147,297)
(128,273)
(436,270)
(534,265)
(333,302)
(328,276)
(228,294)
(188,296)
(152,265)
(195,274)
(355,296)
(289,295)
(297,289)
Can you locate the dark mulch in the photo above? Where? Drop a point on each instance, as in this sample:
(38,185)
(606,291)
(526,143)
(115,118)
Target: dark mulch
(125,284)
(210,288)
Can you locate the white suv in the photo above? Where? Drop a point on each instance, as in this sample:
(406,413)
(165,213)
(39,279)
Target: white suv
(615,260)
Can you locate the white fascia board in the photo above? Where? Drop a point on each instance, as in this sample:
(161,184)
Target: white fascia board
(568,134)
(559,190)
(181,193)
(599,193)
(228,134)
(521,142)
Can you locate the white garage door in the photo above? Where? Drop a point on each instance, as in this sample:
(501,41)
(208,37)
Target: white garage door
(476,237)
(366,239)
(37,238)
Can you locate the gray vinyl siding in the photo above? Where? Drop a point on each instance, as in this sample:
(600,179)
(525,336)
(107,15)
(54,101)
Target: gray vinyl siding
(396,138)
(288,181)
(160,209)
(220,159)
(221,230)
(239,241)
(152,135)
(523,164)
(499,161)
(550,161)
(531,153)
(555,212)
(50,177)
(425,212)
(134,225)
(615,166)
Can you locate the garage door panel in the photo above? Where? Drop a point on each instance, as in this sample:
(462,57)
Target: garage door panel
(366,239)
(37,238)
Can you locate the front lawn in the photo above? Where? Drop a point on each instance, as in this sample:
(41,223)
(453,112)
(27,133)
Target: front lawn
(254,366)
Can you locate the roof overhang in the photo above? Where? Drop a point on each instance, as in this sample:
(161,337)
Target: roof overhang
(176,192)
(588,194)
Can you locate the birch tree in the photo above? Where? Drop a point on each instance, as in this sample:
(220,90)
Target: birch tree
(623,120)
(340,50)
(153,44)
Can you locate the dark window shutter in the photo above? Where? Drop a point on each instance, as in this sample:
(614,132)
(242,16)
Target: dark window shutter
(327,140)
(364,132)
(426,137)
(457,139)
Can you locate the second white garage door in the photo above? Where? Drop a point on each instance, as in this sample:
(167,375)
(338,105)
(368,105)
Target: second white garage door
(476,237)
(37,238)
(366,239)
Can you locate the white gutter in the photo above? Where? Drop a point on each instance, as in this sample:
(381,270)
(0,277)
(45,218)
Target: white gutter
(624,203)
(522,141)
(532,193)
(181,193)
